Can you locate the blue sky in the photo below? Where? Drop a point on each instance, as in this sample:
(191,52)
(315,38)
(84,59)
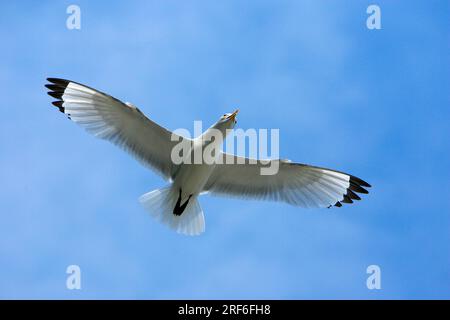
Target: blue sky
(374,103)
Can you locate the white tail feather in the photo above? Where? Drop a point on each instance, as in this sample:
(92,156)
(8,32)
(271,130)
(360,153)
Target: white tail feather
(160,204)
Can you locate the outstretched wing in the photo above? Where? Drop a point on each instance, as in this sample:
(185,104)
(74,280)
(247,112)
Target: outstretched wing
(121,123)
(294,183)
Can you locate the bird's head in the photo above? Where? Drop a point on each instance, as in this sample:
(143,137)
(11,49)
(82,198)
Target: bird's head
(223,127)
(228,120)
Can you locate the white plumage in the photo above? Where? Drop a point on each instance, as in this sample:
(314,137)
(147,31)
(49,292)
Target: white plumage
(177,205)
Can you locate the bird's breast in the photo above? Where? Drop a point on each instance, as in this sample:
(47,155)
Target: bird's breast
(192,178)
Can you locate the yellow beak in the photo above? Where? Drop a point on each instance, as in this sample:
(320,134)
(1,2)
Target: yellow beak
(233,115)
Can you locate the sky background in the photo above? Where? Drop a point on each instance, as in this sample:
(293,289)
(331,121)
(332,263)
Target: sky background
(374,103)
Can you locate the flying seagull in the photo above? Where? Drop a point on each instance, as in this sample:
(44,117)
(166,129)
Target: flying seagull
(177,204)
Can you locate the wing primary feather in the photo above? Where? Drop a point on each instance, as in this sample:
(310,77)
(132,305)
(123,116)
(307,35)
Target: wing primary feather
(352,195)
(59,81)
(55,94)
(55,87)
(59,105)
(359,182)
(357,188)
(347,199)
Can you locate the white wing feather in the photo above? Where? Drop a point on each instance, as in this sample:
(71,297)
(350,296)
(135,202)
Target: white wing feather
(123,124)
(297,184)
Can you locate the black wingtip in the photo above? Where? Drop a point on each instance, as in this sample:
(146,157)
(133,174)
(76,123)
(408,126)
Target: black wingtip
(54,94)
(352,195)
(59,105)
(347,199)
(355,185)
(58,81)
(57,87)
(357,188)
(359,181)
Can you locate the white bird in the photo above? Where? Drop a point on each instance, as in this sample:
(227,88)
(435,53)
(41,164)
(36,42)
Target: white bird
(177,204)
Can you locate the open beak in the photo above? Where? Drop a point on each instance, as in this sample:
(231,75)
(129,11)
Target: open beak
(233,115)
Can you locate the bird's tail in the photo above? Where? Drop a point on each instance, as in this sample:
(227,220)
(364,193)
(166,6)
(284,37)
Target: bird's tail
(161,203)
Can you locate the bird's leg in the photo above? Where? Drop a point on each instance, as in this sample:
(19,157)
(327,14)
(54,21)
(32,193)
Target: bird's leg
(179,208)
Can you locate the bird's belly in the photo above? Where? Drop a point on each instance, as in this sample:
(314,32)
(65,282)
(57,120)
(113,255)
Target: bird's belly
(192,178)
